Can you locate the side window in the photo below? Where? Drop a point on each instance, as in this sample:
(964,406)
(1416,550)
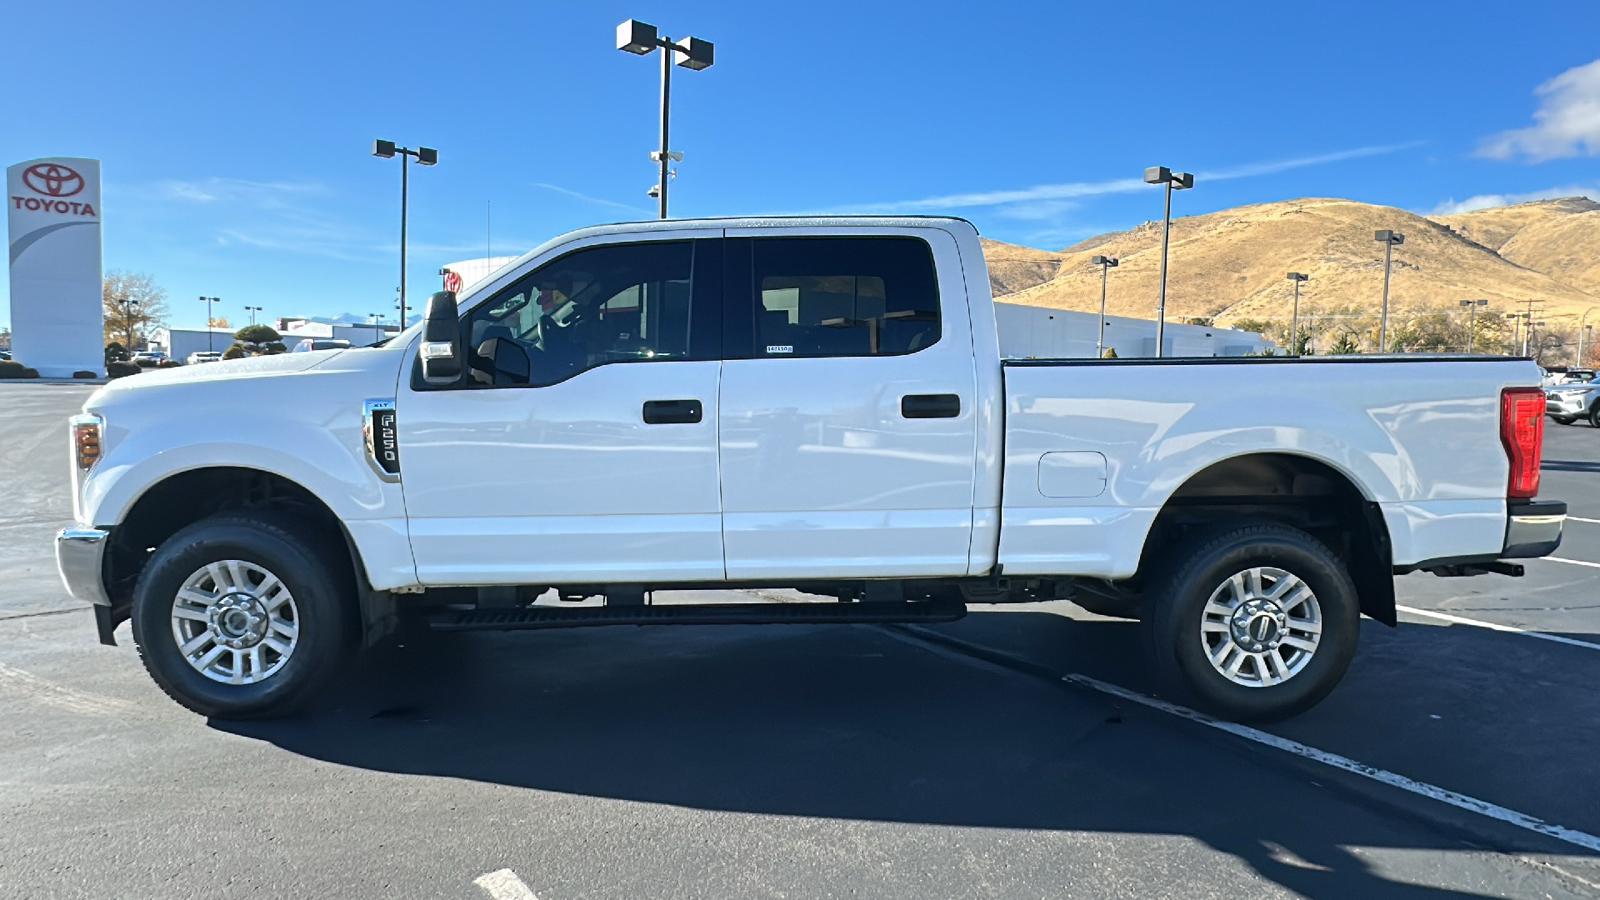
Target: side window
(612,303)
(867,296)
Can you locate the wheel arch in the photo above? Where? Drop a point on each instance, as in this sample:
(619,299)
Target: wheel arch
(169,504)
(1300,490)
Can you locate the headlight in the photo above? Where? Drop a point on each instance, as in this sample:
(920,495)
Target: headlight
(86,441)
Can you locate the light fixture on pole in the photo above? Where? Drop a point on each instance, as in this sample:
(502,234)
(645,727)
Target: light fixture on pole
(1585,336)
(127,318)
(1472,316)
(210,344)
(1294,317)
(1528,345)
(1516,328)
(425,156)
(1106,264)
(253,310)
(1174,181)
(634,36)
(1390,240)
(377,327)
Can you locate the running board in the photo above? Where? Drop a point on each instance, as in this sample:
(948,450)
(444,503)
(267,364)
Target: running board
(706,614)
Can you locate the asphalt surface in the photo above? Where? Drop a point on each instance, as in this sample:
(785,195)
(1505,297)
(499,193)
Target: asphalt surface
(800,761)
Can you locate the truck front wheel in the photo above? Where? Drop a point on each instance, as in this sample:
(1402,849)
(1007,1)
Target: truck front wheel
(239,616)
(1251,622)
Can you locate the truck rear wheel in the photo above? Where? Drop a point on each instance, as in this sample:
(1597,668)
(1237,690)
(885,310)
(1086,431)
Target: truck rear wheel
(238,616)
(1251,622)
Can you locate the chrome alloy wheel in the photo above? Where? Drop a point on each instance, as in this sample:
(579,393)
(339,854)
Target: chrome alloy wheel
(235,622)
(1261,627)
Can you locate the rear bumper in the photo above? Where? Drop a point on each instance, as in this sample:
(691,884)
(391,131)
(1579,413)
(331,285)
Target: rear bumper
(80,557)
(1533,528)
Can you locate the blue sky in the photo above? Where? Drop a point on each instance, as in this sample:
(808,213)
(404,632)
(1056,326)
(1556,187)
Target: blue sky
(235,136)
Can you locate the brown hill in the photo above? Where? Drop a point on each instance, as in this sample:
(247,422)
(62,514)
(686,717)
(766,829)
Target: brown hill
(1231,264)
(1566,248)
(1013,267)
(1494,226)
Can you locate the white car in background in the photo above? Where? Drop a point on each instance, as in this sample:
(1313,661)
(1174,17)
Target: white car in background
(203,356)
(1566,403)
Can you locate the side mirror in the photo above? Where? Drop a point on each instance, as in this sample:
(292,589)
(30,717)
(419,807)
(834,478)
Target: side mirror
(501,362)
(441,339)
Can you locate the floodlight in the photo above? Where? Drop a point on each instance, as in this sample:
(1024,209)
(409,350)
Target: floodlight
(1157,175)
(384,149)
(696,54)
(635,36)
(427,156)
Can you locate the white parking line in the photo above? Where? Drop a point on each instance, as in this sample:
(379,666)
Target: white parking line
(1460,801)
(1572,562)
(503,884)
(936,640)
(1461,620)
(1582,519)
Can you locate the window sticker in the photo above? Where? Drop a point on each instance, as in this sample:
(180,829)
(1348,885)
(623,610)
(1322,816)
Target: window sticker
(780,348)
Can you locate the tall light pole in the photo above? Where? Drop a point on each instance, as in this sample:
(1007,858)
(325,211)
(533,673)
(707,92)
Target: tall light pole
(634,36)
(1527,338)
(1472,316)
(425,156)
(1583,330)
(1106,264)
(127,317)
(377,332)
(1294,317)
(253,310)
(210,336)
(1390,240)
(1174,181)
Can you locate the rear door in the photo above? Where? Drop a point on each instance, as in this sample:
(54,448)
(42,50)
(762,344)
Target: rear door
(847,428)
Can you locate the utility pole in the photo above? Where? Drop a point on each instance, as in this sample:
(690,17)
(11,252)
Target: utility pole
(1294,317)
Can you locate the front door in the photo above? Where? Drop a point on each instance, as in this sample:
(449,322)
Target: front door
(580,446)
(848,430)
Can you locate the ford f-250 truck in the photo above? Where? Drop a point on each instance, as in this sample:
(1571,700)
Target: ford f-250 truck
(817,404)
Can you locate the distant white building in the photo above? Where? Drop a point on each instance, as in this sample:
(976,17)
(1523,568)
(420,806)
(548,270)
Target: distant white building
(178,343)
(1043,333)
(359,334)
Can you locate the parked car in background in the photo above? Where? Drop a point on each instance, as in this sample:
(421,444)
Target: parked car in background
(203,356)
(149,358)
(4,354)
(310,344)
(1568,402)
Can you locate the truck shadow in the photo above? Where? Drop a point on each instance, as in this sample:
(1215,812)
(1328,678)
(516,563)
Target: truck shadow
(845,722)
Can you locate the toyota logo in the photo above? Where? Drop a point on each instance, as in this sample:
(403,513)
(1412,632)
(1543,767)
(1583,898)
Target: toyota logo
(52,180)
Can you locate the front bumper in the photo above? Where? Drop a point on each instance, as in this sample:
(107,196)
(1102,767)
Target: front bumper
(1572,405)
(80,557)
(1533,528)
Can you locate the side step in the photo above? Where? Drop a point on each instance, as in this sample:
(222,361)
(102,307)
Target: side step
(706,614)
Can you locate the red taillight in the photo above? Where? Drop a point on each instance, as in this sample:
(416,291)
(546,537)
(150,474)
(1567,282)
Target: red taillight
(1522,433)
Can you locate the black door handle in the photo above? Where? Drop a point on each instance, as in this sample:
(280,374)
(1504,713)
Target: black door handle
(930,406)
(672,412)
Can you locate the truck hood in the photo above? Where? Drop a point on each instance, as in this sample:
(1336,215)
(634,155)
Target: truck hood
(250,367)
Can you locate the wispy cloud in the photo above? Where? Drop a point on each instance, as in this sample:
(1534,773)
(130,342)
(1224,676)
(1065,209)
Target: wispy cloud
(585,197)
(1485,201)
(1567,122)
(1044,193)
(264,194)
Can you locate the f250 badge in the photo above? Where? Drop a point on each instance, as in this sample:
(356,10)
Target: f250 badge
(382,437)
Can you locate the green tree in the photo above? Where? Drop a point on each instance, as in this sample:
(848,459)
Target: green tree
(1345,345)
(254,339)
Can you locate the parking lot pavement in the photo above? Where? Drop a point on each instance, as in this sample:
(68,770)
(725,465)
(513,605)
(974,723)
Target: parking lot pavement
(35,496)
(794,761)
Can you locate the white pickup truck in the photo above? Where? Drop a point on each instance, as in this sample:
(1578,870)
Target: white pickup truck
(817,404)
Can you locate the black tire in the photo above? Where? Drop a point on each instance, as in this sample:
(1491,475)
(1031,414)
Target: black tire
(318,578)
(1564,420)
(1174,611)
(1594,415)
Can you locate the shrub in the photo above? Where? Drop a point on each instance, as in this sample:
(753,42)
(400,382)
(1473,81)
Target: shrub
(273,347)
(115,352)
(121,369)
(85,373)
(146,361)
(169,364)
(10,368)
(237,351)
